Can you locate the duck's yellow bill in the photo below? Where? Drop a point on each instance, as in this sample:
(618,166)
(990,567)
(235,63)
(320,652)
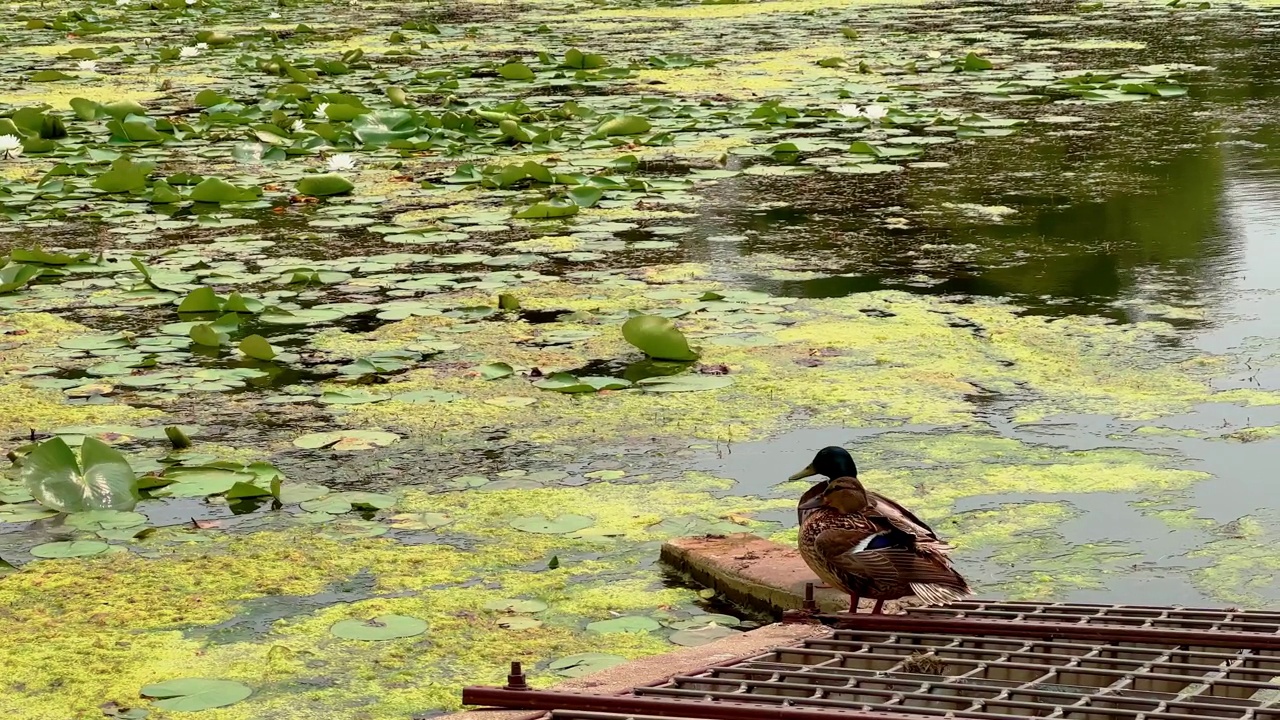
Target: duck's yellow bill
(806,472)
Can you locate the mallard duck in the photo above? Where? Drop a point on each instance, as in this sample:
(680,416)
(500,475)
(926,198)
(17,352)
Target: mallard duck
(836,462)
(869,546)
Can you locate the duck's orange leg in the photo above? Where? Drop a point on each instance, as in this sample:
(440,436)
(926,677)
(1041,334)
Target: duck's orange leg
(853,603)
(876,610)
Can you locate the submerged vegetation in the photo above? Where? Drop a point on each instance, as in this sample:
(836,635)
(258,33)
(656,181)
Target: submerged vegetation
(348,351)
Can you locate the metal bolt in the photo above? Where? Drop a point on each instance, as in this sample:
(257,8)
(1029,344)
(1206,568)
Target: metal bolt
(516,681)
(809,603)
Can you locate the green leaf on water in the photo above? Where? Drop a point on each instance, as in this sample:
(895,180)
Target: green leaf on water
(194,694)
(516,71)
(205,334)
(974,63)
(49,76)
(257,347)
(383,627)
(331,505)
(625,125)
(351,397)
(510,605)
(518,622)
(658,337)
(15,276)
(496,370)
(585,195)
(200,300)
(560,525)
(549,209)
(626,623)
(345,440)
(69,549)
(124,176)
(684,383)
(101,480)
(295,493)
(246,490)
(219,191)
(566,383)
(584,664)
(105,519)
(701,636)
(323,185)
(579,60)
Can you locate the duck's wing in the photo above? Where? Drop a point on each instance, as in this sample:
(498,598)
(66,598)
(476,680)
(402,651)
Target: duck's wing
(889,513)
(928,576)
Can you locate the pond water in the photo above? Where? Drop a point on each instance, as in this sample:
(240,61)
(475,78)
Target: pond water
(1033,301)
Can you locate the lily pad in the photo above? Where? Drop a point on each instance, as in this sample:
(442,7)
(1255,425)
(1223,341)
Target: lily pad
(383,627)
(559,525)
(685,383)
(343,440)
(584,664)
(70,549)
(701,636)
(658,337)
(626,623)
(194,694)
(515,606)
(101,479)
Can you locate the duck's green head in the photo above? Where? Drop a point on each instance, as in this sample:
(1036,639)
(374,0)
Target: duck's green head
(833,462)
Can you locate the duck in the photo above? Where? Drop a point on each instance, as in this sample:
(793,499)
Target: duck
(867,545)
(836,462)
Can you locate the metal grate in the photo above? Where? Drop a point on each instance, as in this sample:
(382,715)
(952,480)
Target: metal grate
(982,660)
(1147,616)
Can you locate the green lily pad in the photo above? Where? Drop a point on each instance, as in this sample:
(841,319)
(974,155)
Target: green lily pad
(685,383)
(384,627)
(495,370)
(294,493)
(351,397)
(519,622)
(515,606)
(331,505)
(105,520)
(559,525)
(101,479)
(70,549)
(584,664)
(195,694)
(323,185)
(626,623)
(658,337)
(344,440)
(701,636)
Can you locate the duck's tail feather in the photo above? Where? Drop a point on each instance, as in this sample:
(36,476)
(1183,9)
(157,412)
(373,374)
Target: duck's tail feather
(938,594)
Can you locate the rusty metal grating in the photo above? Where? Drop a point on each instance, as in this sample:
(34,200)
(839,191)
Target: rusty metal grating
(988,660)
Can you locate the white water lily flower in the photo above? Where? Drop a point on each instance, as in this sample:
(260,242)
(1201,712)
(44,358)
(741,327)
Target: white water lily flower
(319,111)
(121,3)
(191,2)
(272,16)
(297,127)
(342,161)
(849,110)
(10,146)
(189,52)
(87,66)
(875,113)
(202,46)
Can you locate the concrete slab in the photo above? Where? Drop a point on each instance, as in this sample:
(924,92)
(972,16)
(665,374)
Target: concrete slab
(756,573)
(655,669)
